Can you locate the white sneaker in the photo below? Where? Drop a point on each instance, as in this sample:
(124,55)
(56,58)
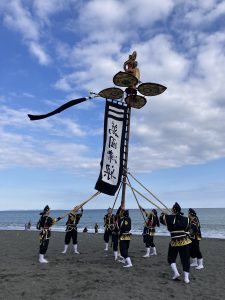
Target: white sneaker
(186,277)
(200,264)
(122,260)
(42,260)
(194,262)
(75,249)
(147,252)
(153,251)
(65,249)
(129,263)
(175,271)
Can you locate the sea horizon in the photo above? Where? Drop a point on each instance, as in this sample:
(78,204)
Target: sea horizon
(69,209)
(212,220)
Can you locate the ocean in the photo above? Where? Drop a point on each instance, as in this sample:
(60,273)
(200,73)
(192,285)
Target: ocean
(212,221)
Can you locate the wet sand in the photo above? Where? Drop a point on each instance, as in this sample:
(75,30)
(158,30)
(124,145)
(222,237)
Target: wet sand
(95,275)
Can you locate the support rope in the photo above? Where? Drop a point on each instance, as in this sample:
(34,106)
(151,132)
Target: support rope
(117,196)
(145,197)
(137,201)
(149,192)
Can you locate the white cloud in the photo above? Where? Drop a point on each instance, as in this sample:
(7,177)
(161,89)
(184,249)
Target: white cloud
(203,12)
(47,8)
(25,148)
(180,127)
(121,17)
(28,95)
(148,12)
(38,51)
(18,18)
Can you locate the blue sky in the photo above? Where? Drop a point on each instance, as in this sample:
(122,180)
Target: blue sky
(53,51)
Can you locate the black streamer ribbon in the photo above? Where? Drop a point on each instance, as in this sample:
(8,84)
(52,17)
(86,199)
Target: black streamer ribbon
(59,109)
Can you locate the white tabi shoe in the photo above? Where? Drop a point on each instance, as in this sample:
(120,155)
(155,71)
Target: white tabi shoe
(42,260)
(75,249)
(200,264)
(115,255)
(194,262)
(147,253)
(122,260)
(176,274)
(153,251)
(65,249)
(120,256)
(106,247)
(186,277)
(129,263)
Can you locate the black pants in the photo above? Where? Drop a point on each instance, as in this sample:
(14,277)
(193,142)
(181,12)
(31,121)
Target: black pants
(184,256)
(44,241)
(149,241)
(115,241)
(124,246)
(107,235)
(195,250)
(71,234)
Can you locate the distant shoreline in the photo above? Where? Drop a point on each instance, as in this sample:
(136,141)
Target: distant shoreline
(69,209)
(91,231)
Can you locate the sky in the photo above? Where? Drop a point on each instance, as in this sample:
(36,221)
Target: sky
(53,51)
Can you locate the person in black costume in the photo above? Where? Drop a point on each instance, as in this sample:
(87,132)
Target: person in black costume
(71,229)
(195,236)
(178,226)
(108,224)
(149,231)
(124,224)
(115,236)
(96,228)
(44,224)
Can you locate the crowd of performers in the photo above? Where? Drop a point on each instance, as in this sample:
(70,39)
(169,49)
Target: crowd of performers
(185,236)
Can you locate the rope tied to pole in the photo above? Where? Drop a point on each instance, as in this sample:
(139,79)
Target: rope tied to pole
(117,196)
(149,192)
(145,198)
(137,201)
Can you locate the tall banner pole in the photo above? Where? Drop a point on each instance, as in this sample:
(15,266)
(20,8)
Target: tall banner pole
(126,149)
(117,123)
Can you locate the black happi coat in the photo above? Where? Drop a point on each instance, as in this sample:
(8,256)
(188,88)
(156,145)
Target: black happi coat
(108,222)
(115,227)
(178,227)
(124,224)
(73,220)
(44,224)
(195,229)
(150,224)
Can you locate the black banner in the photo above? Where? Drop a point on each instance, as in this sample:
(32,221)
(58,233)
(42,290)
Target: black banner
(113,148)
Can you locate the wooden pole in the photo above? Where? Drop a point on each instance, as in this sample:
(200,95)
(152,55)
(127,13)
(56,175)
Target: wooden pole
(76,208)
(126,148)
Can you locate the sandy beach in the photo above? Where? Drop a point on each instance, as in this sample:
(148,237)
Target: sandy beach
(95,275)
